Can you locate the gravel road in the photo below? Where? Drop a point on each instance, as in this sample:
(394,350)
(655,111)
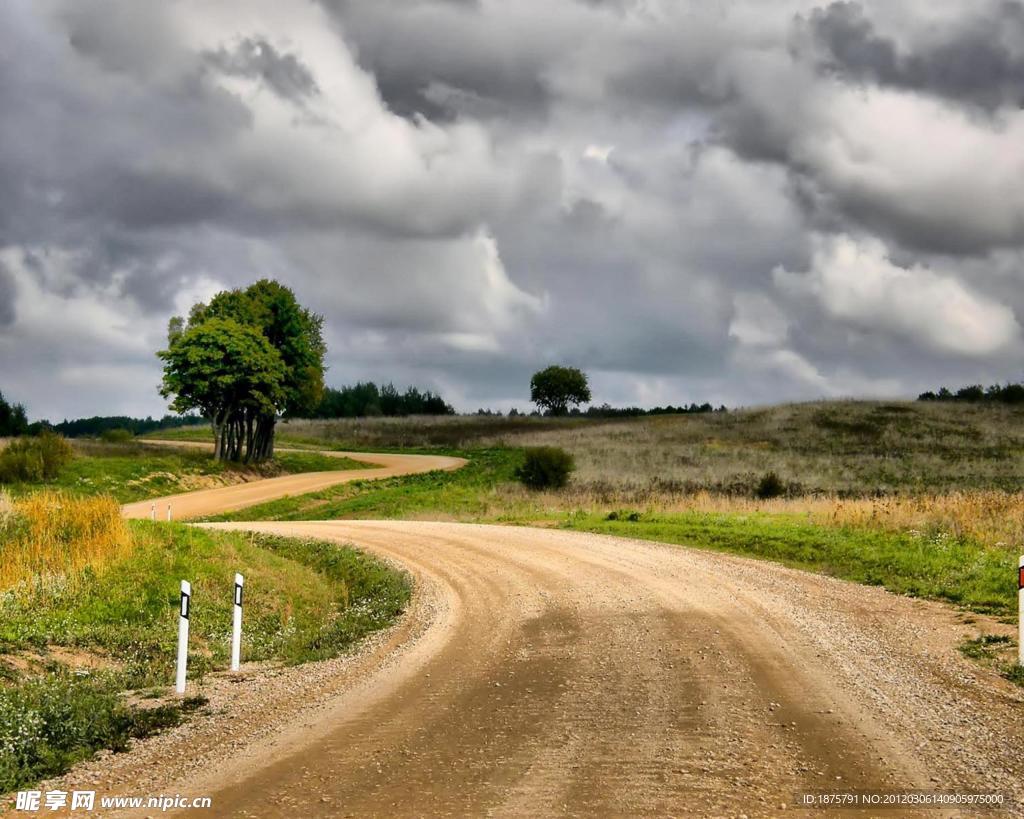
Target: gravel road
(549,673)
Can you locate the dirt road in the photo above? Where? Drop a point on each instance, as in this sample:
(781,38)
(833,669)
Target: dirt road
(229,498)
(547,673)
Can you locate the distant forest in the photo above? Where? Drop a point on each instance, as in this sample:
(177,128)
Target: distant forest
(367,399)
(976,394)
(97,425)
(606,411)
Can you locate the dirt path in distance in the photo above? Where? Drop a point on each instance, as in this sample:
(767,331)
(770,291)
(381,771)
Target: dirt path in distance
(187,505)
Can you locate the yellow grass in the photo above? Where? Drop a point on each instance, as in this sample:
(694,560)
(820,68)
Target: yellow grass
(53,535)
(988,517)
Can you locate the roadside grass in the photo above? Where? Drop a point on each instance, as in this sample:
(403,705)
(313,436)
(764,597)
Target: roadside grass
(135,471)
(958,571)
(465,493)
(50,723)
(995,651)
(69,649)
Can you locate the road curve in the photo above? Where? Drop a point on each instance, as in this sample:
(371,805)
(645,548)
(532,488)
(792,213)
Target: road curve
(197,504)
(551,673)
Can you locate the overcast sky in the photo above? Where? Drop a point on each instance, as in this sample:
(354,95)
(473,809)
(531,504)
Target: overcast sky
(737,201)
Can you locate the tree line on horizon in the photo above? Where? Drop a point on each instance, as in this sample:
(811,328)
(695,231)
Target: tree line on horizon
(976,393)
(366,399)
(98,424)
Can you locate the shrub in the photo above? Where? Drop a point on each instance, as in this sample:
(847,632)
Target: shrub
(116,436)
(34,459)
(546,467)
(770,486)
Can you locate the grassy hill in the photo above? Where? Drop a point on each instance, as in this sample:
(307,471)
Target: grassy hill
(845,448)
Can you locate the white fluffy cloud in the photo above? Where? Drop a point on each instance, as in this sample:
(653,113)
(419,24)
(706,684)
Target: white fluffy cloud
(857,284)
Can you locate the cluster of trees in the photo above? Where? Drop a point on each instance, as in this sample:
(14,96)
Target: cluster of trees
(975,393)
(243,360)
(13,420)
(367,399)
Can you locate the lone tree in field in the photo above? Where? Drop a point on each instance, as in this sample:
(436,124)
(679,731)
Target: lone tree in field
(556,388)
(242,360)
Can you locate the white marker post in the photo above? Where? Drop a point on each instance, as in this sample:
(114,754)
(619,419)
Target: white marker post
(236,626)
(186,600)
(168,513)
(152,511)
(1020,611)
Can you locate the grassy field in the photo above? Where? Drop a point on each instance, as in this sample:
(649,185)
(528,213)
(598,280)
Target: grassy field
(865,541)
(842,448)
(136,471)
(95,614)
(924,499)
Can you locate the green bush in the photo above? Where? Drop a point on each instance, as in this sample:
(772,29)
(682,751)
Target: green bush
(34,459)
(770,486)
(116,436)
(546,467)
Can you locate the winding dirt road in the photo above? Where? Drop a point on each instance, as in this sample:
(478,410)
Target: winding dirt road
(188,505)
(549,673)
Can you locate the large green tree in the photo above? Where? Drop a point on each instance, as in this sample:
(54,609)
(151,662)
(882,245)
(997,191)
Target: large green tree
(273,349)
(557,388)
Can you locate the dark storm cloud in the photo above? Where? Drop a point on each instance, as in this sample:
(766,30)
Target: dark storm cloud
(979,60)
(442,58)
(283,73)
(733,202)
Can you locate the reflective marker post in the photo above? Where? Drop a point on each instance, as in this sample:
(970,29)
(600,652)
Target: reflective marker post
(186,600)
(236,626)
(1020,611)
(168,513)
(152,511)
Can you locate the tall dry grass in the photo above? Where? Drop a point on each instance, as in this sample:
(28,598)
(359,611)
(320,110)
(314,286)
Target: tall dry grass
(51,535)
(988,517)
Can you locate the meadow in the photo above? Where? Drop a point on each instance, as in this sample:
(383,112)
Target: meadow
(923,498)
(835,448)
